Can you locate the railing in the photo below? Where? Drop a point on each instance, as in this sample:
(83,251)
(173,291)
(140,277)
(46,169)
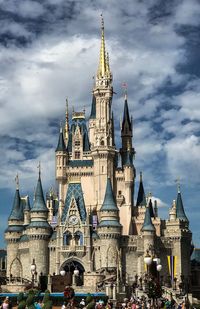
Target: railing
(73,248)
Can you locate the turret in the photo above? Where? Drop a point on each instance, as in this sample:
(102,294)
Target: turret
(180,212)
(172,211)
(109,228)
(39,230)
(148,230)
(13,232)
(27,209)
(61,156)
(101,131)
(126,135)
(141,198)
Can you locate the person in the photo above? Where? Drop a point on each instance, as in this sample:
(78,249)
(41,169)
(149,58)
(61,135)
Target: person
(6,303)
(38,305)
(64,305)
(82,303)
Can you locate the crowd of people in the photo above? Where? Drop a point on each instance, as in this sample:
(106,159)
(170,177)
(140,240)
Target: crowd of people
(132,303)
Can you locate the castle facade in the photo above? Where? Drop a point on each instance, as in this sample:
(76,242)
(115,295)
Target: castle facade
(93,224)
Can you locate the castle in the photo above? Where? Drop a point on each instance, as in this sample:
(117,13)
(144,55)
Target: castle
(93,224)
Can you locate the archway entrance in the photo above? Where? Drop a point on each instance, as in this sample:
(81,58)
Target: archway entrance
(74,272)
(72,275)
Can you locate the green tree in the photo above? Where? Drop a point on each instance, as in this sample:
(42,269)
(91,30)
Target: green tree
(47,302)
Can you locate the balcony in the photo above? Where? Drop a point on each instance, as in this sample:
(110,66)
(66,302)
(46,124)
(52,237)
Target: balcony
(78,250)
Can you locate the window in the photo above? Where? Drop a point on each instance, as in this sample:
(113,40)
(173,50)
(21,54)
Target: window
(67,237)
(77,143)
(78,238)
(77,154)
(119,192)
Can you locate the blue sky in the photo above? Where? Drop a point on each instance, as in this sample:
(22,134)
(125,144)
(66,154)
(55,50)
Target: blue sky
(49,51)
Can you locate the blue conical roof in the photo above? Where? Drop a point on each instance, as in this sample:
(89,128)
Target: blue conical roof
(86,143)
(151,209)
(109,201)
(148,225)
(141,198)
(17,211)
(126,117)
(180,213)
(61,144)
(93,109)
(39,202)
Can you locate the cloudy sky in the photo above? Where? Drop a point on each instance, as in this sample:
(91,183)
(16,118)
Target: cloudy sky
(49,50)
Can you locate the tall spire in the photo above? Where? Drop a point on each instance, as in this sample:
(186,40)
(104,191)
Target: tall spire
(102,61)
(141,199)
(67,121)
(109,202)
(180,213)
(93,109)
(61,144)
(126,117)
(148,225)
(16,212)
(39,202)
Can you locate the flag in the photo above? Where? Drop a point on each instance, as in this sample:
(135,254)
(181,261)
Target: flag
(172,262)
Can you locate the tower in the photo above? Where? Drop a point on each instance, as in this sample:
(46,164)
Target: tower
(101,125)
(61,161)
(39,231)
(178,233)
(12,235)
(109,229)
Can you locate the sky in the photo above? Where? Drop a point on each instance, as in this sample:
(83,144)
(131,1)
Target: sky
(49,51)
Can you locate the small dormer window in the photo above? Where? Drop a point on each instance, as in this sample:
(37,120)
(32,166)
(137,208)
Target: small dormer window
(77,155)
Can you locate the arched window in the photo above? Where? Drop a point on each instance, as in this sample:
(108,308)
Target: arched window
(67,237)
(78,238)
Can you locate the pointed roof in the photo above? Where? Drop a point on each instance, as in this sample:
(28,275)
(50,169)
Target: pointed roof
(180,213)
(61,144)
(148,225)
(126,117)
(109,201)
(17,211)
(39,202)
(74,191)
(151,208)
(141,199)
(93,109)
(102,61)
(86,143)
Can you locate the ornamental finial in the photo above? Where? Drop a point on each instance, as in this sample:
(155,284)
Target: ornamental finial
(140,176)
(39,169)
(17,181)
(178,184)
